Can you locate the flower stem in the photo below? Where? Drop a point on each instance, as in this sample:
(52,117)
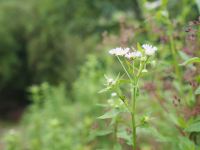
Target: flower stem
(134,90)
(134,85)
(134,98)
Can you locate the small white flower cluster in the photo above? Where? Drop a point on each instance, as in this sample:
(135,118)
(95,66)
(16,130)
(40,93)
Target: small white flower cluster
(119,51)
(134,54)
(110,81)
(149,50)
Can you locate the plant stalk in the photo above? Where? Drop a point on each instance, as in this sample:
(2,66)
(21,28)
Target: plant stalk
(134,98)
(134,90)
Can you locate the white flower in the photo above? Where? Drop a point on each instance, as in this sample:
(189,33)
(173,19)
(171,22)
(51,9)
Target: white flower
(110,81)
(119,51)
(149,49)
(134,54)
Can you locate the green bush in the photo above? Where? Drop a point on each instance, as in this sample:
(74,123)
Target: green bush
(59,42)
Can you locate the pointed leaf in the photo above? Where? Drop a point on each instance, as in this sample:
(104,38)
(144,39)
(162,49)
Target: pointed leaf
(109,114)
(191,60)
(139,47)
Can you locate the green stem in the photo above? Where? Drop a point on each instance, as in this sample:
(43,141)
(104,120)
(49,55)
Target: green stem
(134,87)
(175,63)
(134,90)
(174,51)
(174,55)
(134,97)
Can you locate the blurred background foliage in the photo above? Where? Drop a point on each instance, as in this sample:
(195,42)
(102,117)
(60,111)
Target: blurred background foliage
(53,54)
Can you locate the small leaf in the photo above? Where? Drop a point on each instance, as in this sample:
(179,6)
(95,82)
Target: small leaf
(139,48)
(195,127)
(109,114)
(122,97)
(121,81)
(197,91)
(191,60)
(104,132)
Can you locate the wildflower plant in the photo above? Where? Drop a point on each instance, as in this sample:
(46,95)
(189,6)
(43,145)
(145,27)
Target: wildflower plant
(134,63)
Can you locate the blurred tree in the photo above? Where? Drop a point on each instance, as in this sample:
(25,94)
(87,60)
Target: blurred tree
(47,40)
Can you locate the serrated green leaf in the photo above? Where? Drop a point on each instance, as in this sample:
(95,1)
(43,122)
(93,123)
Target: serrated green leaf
(191,60)
(195,127)
(109,114)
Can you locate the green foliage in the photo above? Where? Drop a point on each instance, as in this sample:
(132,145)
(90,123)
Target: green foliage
(87,85)
(12,141)
(195,127)
(48,125)
(192,60)
(42,39)
(53,120)
(59,42)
